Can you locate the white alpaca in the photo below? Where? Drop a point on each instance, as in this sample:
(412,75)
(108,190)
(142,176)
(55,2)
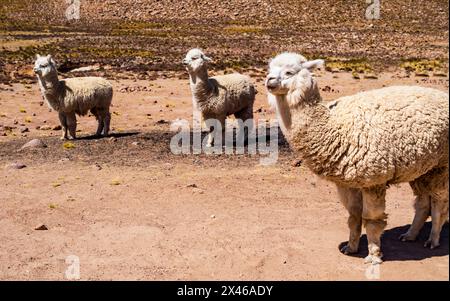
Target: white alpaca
(74,96)
(219,96)
(364,143)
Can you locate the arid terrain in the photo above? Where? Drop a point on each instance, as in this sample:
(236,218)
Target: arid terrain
(131,209)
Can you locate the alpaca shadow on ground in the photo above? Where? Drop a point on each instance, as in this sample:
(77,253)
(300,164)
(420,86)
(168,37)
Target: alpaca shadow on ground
(110,135)
(395,250)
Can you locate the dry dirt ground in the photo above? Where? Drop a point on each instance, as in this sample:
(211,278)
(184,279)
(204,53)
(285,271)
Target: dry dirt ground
(130,209)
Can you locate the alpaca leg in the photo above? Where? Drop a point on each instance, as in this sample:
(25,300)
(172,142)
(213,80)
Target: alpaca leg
(63,121)
(209,124)
(100,126)
(246,116)
(223,126)
(438,217)
(422,208)
(72,125)
(99,118)
(374,219)
(432,197)
(215,123)
(107,122)
(352,201)
(439,205)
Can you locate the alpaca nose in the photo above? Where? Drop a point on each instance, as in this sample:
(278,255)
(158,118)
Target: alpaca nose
(272,82)
(185,62)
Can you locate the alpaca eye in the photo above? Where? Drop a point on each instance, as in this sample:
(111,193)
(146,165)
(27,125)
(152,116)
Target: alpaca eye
(289,73)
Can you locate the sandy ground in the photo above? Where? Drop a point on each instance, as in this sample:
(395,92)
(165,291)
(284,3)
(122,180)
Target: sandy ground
(130,209)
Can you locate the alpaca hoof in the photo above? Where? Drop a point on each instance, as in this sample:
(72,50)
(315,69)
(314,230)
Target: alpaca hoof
(347,250)
(373,259)
(430,244)
(407,237)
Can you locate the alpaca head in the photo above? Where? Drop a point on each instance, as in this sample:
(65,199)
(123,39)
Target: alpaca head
(289,71)
(195,60)
(44,66)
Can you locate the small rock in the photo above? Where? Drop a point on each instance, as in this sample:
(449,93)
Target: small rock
(24,129)
(296,163)
(112,139)
(97,166)
(16,165)
(192,185)
(35,143)
(213,216)
(41,227)
(135,143)
(370,76)
(56,128)
(45,128)
(198,190)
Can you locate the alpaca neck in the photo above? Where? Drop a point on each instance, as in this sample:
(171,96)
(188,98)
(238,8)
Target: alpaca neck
(299,108)
(283,114)
(200,84)
(310,132)
(50,86)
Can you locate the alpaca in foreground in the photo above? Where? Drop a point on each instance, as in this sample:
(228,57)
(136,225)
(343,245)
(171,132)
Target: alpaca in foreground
(219,96)
(74,96)
(365,142)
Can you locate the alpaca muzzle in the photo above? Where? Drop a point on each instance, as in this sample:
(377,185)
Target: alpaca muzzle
(272,83)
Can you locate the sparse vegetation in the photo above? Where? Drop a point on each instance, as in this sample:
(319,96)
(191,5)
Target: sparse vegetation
(423,67)
(353,65)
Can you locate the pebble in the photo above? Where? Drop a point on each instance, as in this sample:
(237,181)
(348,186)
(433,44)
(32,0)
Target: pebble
(63,160)
(45,128)
(35,143)
(16,165)
(97,166)
(41,227)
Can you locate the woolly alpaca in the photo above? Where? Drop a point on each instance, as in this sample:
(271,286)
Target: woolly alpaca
(365,142)
(219,96)
(74,96)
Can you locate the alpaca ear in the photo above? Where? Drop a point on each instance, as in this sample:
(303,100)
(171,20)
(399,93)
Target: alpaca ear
(311,65)
(50,60)
(38,56)
(208,59)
